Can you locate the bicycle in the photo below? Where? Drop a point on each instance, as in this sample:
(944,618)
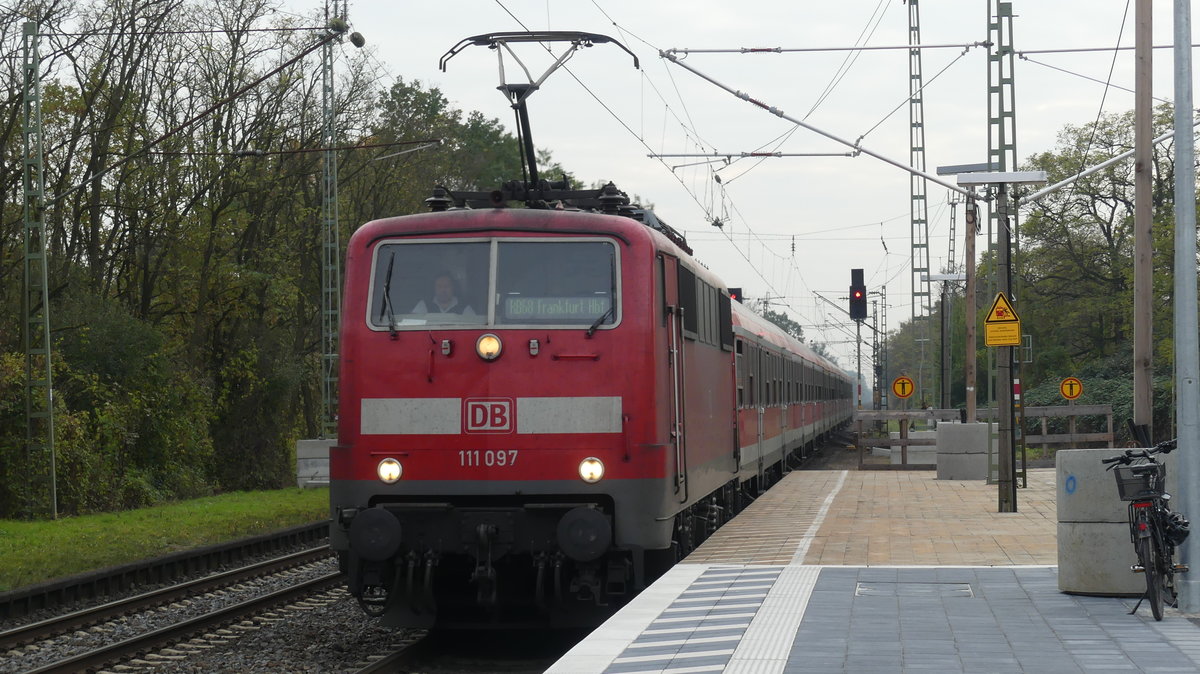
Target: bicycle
(1153,528)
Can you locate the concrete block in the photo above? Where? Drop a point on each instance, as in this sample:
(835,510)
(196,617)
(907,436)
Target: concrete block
(312,462)
(961,466)
(1094,558)
(1094,550)
(962,451)
(916,453)
(1087,492)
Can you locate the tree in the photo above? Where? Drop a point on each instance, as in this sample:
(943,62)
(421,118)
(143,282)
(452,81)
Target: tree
(186,282)
(785,323)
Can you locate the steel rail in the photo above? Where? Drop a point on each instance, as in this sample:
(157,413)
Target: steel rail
(97,614)
(174,633)
(404,654)
(170,568)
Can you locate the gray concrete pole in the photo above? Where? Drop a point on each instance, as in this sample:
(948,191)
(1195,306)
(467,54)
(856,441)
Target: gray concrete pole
(945,383)
(971,218)
(1187,353)
(1143,317)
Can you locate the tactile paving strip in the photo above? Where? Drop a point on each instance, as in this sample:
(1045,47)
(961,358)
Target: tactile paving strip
(700,630)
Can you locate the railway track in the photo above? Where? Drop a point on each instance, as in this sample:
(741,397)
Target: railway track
(51,627)
(96,585)
(174,634)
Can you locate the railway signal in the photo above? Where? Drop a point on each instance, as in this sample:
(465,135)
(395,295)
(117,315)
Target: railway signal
(858,296)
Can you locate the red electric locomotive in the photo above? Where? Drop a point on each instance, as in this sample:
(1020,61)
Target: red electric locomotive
(543,408)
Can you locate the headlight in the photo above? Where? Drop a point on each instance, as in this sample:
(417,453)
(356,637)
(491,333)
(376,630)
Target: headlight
(591,470)
(389,470)
(488,346)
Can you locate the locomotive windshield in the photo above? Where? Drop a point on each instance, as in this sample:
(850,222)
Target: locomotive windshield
(495,282)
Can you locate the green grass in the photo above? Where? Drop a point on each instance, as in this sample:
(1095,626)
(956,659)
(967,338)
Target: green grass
(32,552)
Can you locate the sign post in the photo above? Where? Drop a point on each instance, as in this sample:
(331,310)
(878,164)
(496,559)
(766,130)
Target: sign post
(903,387)
(1002,328)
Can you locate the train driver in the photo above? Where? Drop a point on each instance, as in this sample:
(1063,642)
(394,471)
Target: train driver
(445,298)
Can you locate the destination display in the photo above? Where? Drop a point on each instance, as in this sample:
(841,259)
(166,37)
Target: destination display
(519,307)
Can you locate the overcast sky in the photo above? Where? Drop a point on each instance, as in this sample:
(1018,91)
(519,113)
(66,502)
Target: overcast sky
(842,212)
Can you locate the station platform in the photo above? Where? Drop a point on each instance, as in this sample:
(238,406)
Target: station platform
(883,571)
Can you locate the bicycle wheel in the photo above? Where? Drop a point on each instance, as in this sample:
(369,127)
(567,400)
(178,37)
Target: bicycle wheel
(1148,555)
(1166,566)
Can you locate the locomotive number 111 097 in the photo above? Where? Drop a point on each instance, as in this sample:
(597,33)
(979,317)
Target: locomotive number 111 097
(492,457)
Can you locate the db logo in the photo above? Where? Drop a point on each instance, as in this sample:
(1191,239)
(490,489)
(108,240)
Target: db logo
(489,415)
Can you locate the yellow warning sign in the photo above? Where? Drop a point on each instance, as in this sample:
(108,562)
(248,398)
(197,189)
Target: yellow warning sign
(1002,311)
(1002,327)
(1071,388)
(903,387)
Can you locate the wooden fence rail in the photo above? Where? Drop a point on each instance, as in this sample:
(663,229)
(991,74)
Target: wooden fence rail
(1041,413)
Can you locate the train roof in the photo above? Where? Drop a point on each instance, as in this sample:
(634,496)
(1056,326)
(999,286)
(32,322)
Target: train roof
(749,324)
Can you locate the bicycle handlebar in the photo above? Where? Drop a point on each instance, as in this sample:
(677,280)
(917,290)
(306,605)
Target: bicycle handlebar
(1164,447)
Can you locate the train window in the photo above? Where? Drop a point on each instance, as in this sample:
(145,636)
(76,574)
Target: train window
(725,316)
(556,283)
(470,282)
(423,284)
(714,315)
(687,301)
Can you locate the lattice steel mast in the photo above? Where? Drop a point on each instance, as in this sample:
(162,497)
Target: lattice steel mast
(331,255)
(1002,156)
(35,296)
(919,222)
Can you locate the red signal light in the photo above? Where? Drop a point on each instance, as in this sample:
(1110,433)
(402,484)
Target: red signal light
(858,296)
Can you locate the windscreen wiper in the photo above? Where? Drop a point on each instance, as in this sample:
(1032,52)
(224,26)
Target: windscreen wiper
(612,280)
(387,297)
(603,316)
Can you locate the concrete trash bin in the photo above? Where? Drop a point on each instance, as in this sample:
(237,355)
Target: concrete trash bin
(1094,550)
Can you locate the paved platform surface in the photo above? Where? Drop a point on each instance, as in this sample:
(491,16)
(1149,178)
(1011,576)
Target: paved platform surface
(882,571)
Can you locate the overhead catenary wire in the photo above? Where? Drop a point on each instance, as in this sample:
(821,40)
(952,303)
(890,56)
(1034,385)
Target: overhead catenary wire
(909,98)
(785,50)
(1086,77)
(334,32)
(851,58)
(779,113)
(690,130)
(203,31)
(264,153)
(1070,50)
(728,155)
(1104,97)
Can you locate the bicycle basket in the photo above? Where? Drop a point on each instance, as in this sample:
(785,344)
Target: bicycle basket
(1139,481)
